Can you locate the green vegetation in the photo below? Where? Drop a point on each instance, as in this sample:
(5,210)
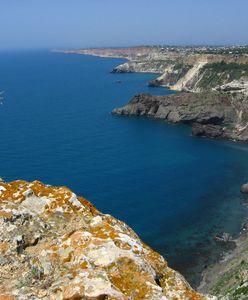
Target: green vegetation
(233,283)
(221,73)
(230,67)
(240,291)
(222,284)
(181,66)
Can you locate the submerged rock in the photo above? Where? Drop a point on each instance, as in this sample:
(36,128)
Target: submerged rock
(55,245)
(224,237)
(244,188)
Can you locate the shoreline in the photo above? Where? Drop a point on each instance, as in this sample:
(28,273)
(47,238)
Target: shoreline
(115,57)
(179,69)
(87,53)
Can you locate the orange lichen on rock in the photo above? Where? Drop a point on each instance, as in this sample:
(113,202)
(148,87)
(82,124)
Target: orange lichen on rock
(4,247)
(55,245)
(6,297)
(5,214)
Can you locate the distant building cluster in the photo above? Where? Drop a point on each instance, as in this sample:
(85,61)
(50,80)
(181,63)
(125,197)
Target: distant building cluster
(229,49)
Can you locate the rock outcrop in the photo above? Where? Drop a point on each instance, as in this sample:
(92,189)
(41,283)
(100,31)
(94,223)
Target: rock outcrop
(210,114)
(234,87)
(186,108)
(55,245)
(235,132)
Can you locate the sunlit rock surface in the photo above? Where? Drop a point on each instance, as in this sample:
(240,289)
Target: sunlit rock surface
(55,245)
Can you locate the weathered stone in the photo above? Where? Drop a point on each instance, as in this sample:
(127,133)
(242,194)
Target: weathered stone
(77,253)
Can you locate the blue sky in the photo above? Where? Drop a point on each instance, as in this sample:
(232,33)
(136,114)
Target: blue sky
(90,23)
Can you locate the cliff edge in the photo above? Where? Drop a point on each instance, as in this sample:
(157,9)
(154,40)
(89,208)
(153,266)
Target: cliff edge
(56,245)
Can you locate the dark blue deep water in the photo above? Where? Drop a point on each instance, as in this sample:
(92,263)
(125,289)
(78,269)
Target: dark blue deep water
(174,190)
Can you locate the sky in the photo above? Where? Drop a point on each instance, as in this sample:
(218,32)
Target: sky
(102,23)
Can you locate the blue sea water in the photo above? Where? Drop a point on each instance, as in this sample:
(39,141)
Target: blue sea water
(174,190)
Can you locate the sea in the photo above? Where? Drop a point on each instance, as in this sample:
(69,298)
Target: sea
(176,191)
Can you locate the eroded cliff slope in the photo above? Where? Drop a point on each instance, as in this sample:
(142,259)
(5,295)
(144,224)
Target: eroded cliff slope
(55,245)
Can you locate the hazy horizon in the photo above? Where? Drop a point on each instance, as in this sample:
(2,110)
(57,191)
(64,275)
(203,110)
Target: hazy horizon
(46,24)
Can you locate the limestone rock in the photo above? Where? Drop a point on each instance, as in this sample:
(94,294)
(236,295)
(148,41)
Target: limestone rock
(56,245)
(234,86)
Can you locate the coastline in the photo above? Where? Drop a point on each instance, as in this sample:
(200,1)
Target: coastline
(128,59)
(79,52)
(228,256)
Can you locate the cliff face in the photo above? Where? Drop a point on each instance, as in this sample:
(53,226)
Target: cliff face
(55,245)
(187,108)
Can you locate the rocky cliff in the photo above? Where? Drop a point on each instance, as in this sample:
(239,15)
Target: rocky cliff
(210,114)
(56,245)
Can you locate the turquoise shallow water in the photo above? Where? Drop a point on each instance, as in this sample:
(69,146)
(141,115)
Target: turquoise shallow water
(174,190)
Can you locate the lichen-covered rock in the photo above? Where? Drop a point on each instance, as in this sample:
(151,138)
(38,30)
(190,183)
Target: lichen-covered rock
(55,245)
